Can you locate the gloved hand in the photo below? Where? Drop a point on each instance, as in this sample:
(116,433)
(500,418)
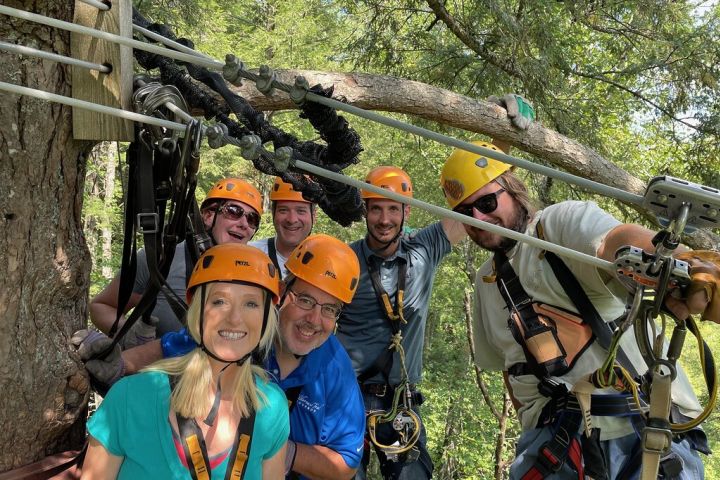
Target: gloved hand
(90,343)
(290,456)
(703,294)
(140,333)
(520,111)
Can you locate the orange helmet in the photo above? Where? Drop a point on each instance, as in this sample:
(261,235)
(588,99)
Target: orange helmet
(238,190)
(390,178)
(328,264)
(282,190)
(233,262)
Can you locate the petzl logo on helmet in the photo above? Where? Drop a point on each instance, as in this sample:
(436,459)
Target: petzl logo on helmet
(330,274)
(242,263)
(453,189)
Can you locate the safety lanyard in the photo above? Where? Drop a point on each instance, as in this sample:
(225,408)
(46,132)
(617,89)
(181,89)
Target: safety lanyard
(395,313)
(193,442)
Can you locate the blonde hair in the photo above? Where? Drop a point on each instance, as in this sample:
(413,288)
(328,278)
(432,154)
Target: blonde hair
(191,394)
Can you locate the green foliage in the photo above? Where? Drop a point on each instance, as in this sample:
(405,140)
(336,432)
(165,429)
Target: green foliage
(616,76)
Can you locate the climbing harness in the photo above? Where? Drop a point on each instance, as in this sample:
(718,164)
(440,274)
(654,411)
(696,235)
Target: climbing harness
(401,415)
(195,451)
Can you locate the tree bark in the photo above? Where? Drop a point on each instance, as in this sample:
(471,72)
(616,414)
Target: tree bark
(390,94)
(111,154)
(44,271)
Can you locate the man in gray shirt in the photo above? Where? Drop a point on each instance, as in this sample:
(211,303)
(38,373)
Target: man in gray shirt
(397,271)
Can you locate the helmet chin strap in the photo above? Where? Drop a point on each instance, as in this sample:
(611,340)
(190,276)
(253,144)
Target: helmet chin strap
(255,353)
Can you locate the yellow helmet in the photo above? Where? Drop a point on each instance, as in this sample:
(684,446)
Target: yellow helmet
(464,173)
(282,190)
(328,264)
(391,178)
(235,189)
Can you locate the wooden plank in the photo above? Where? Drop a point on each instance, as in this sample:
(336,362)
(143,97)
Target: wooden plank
(113,89)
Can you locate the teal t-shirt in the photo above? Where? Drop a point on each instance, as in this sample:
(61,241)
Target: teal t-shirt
(132,422)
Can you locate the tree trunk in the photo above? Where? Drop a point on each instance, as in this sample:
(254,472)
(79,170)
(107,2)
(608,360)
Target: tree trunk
(111,153)
(44,271)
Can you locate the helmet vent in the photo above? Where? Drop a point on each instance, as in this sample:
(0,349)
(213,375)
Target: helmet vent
(481,162)
(306,258)
(207,261)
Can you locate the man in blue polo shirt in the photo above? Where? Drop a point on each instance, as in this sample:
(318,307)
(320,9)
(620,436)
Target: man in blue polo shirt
(397,271)
(327,417)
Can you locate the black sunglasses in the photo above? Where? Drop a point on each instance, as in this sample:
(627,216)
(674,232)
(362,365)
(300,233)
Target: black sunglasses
(485,204)
(236,212)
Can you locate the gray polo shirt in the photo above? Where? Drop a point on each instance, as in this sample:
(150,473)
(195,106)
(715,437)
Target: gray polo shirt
(176,280)
(363,327)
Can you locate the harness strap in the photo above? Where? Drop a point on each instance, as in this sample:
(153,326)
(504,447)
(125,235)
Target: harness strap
(383,363)
(193,442)
(564,446)
(272,253)
(657,437)
(602,330)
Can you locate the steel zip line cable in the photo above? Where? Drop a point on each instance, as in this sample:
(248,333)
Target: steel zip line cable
(97,4)
(74,102)
(23,50)
(207,62)
(600,188)
(202,60)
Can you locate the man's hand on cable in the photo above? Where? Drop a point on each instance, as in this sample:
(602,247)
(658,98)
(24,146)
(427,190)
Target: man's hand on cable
(89,344)
(519,110)
(702,296)
(140,333)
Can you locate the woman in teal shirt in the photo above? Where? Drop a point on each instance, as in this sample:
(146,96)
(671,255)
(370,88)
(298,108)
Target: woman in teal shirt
(211,413)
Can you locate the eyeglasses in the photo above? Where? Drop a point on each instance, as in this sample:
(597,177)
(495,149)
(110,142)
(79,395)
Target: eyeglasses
(485,204)
(236,212)
(331,311)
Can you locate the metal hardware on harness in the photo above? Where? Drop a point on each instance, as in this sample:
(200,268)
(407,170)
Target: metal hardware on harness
(148,223)
(666,195)
(151,99)
(634,265)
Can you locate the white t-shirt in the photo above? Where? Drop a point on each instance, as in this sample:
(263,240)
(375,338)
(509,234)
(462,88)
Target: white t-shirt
(581,226)
(263,245)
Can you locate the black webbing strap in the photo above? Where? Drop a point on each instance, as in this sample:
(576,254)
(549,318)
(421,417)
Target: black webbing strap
(394,315)
(128,267)
(160,176)
(272,253)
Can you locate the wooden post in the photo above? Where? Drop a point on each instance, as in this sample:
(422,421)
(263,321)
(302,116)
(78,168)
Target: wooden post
(113,89)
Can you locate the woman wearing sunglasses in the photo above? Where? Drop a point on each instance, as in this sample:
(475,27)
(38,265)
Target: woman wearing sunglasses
(231,214)
(210,413)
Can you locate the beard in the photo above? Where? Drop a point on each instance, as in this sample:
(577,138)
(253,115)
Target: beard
(498,243)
